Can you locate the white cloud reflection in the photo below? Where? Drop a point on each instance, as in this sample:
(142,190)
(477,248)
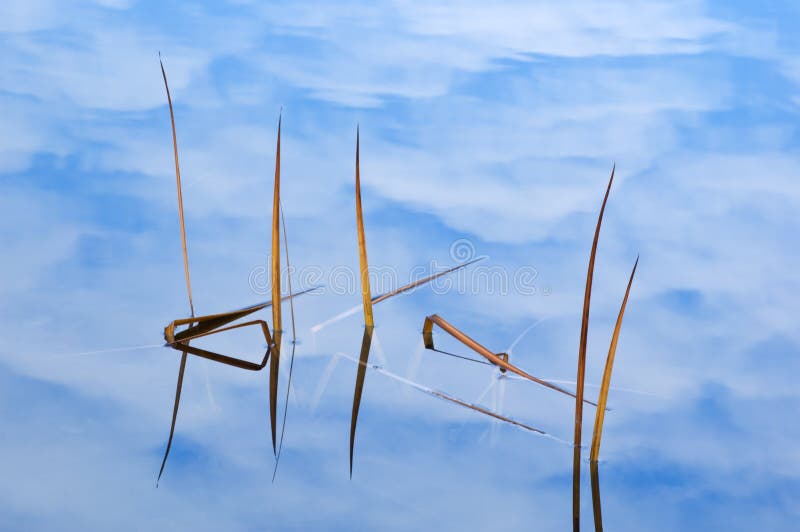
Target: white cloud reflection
(497,124)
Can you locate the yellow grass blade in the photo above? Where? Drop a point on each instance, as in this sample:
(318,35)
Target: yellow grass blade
(362,245)
(276,293)
(606,383)
(576,457)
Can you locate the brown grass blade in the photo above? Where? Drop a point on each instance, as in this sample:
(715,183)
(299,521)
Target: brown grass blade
(366,342)
(362,244)
(276,293)
(427,336)
(576,458)
(606,383)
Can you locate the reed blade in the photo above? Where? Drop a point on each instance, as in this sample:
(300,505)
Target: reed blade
(225,359)
(596,506)
(605,385)
(362,244)
(450,398)
(361,374)
(366,297)
(576,458)
(211,322)
(275,255)
(185,264)
(294,346)
(383,297)
(415,284)
(178,182)
(178,389)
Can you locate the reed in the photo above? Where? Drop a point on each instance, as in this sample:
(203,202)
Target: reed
(597,507)
(275,257)
(182,368)
(294,347)
(367,301)
(605,385)
(576,456)
(202,326)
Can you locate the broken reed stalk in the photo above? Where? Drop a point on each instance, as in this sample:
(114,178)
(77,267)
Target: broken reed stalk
(597,434)
(212,322)
(427,336)
(576,457)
